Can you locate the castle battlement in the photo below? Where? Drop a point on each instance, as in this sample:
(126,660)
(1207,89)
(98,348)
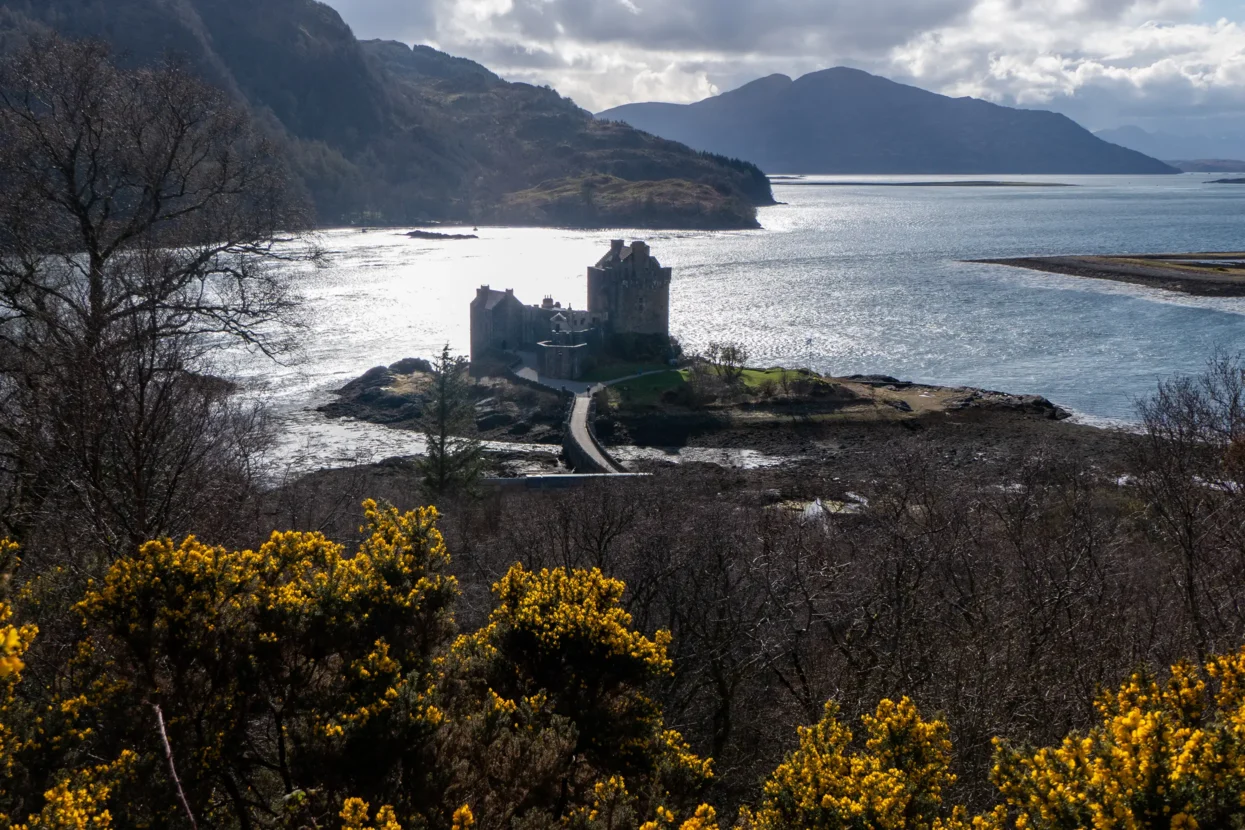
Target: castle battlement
(628,295)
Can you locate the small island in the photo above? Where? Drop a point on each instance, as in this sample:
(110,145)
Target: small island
(1227,181)
(433,235)
(638,398)
(1204,274)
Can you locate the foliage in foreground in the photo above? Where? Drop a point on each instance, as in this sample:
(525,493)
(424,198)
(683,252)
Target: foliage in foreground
(293,686)
(297,685)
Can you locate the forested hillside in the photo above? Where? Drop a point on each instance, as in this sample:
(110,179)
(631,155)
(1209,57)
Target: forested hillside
(379,133)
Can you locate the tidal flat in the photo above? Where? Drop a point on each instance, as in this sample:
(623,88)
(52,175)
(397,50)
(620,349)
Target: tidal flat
(1204,274)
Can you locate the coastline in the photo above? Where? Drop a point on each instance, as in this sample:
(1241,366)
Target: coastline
(1169,272)
(840,429)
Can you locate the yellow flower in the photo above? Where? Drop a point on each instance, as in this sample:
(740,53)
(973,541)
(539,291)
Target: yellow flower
(463,818)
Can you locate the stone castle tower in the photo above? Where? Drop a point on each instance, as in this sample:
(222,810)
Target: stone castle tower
(631,291)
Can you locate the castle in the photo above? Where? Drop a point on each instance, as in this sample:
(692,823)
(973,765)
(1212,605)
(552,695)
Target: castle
(628,316)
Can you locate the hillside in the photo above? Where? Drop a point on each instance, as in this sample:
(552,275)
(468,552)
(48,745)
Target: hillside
(380,133)
(848,121)
(1210,165)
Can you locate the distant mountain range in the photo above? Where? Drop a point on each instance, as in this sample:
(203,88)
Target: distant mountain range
(848,121)
(1188,148)
(380,133)
(1210,165)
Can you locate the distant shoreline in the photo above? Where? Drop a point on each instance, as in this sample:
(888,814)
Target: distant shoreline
(1219,274)
(966,183)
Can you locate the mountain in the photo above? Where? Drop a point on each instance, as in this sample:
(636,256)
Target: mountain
(1210,165)
(848,121)
(382,133)
(1168,146)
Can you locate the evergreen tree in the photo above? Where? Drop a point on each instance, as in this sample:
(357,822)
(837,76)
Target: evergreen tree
(452,460)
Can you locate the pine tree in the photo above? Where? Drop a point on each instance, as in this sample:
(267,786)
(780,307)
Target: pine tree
(452,459)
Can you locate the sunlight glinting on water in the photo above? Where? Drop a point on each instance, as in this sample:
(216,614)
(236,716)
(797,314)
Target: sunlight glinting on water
(873,275)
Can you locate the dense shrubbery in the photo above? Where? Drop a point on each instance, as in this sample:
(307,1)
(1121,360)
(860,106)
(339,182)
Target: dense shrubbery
(293,686)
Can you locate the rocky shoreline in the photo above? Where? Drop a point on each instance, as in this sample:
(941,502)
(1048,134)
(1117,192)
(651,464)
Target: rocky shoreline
(843,422)
(505,411)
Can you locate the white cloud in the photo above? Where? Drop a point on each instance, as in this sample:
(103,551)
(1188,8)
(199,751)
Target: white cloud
(1104,62)
(1124,68)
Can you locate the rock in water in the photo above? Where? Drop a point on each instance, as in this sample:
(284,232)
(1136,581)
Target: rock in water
(435,235)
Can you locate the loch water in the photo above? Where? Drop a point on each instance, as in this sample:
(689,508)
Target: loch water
(848,279)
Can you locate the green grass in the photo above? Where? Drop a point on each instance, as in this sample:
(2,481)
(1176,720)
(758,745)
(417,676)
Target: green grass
(755,378)
(648,390)
(613,371)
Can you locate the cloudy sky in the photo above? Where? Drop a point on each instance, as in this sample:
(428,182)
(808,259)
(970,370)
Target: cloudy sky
(1177,65)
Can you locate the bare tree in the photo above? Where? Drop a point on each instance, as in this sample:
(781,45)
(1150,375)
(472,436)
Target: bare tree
(728,359)
(1195,491)
(143,224)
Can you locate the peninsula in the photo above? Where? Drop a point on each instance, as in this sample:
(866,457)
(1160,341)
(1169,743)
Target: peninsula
(1204,274)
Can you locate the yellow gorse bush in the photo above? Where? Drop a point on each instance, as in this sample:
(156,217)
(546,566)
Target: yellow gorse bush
(463,819)
(14,640)
(326,655)
(578,609)
(896,782)
(559,649)
(354,815)
(704,818)
(78,800)
(327,681)
(310,683)
(1169,755)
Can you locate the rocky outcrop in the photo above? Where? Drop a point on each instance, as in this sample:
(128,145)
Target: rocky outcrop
(394,396)
(1005,402)
(434,235)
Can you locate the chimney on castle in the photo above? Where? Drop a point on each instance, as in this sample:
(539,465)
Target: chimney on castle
(639,255)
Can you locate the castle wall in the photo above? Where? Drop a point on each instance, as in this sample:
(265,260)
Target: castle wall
(481,331)
(628,303)
(633,292)
(563,361)
(508,325)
